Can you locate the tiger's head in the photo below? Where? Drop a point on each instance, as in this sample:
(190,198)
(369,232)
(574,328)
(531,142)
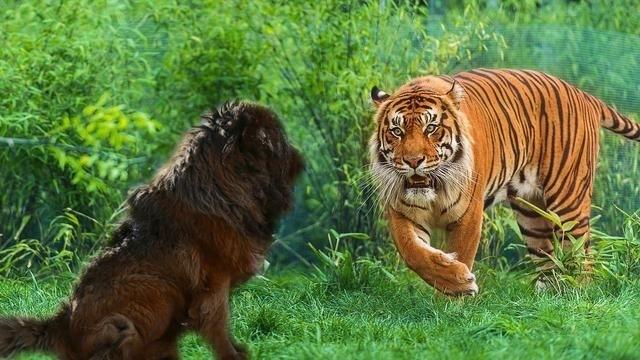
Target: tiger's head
(419,145)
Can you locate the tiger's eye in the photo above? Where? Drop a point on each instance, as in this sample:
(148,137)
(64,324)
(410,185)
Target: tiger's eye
(396,131)
(431,128)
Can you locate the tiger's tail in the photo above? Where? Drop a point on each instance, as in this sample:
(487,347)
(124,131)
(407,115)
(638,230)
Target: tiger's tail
(619,124)
(18,334)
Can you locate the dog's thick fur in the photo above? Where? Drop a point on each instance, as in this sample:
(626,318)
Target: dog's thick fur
(201,227)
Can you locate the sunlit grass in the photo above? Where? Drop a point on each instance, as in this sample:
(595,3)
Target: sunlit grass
(294,316)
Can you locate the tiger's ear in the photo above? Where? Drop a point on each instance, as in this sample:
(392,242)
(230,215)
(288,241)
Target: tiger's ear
(378,96)
(456,94)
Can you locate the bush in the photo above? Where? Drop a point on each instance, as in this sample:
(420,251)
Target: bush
(57,61)
(101,91)
(70,151)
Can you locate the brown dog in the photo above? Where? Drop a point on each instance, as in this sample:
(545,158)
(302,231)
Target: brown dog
(201,227)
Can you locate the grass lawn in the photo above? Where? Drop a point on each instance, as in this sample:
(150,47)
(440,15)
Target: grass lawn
(294,316)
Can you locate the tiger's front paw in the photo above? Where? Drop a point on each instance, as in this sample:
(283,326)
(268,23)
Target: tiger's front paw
(453,277)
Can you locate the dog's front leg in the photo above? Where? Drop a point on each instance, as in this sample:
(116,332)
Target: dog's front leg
(210,311)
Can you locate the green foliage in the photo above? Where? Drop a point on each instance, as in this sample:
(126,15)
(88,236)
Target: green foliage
(207,53)
(619,256)
(595,14)
(69,148)
(339,268)
(69,152)
(99,93)
(56,160)
(108,137)
(88,151)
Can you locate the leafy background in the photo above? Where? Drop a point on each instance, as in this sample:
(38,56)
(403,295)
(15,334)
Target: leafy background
(94,95)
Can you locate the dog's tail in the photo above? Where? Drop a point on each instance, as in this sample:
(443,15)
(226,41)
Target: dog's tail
(18,334)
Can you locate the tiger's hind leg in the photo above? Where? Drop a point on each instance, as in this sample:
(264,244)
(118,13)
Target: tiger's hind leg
(580,231)
(567,183)
(535,229)
(537,233)
(569,196)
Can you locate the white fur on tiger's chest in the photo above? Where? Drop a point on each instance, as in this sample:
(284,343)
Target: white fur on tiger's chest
(434,214)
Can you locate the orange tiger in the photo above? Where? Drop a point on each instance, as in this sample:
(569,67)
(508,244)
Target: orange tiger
(446,148)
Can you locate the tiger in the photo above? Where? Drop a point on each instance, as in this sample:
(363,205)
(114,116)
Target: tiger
(448,147)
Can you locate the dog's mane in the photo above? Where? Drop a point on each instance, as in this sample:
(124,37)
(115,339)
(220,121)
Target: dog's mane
(206,177)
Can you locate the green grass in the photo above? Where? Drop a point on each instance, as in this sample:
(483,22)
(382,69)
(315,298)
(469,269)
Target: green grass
(295,316)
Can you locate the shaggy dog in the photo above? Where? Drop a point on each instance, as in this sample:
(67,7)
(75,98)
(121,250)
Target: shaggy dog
(200,228)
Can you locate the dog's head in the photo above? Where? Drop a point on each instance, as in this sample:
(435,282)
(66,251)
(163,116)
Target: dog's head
(249,142)
(237,165)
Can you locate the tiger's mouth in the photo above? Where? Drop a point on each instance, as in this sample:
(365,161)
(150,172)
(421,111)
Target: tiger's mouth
(419,182)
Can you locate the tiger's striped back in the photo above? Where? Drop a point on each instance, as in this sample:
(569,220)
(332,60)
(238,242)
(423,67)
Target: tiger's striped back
(533,121)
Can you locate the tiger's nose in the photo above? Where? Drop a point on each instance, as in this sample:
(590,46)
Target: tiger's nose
(413,161)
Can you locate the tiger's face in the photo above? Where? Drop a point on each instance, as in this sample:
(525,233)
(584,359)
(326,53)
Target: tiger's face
(418,145)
